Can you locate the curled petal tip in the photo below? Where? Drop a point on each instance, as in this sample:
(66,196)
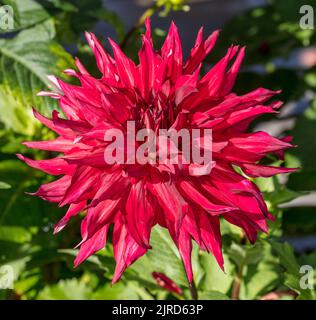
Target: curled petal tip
(20,156)
(58,227)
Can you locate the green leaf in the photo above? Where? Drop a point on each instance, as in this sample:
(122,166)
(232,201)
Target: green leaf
(163,257)
(262,277)
(262,280)
(18,209)
(25,62)
(292,275)
(286,255)
(212,295)
(79,16)
(81,289)
(27,13)
(62,5)
(121,291)
(100,260)
(14,234)
(283,195)
(4,185)
(72,289)
(293,283)
(309,259)
(246,254)
(215,279)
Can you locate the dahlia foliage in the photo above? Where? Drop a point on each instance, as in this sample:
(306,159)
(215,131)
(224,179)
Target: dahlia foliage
(161,91)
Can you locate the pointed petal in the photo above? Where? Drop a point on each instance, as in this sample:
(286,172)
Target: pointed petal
(255,171)
(59,145)
(171,51)
(126,249)
(53,191)
(166,283)
(83,185)
(192,194)
(125,67)
(147,68)
(50,124)
(54,166)
(92,245)
(172,202)
(73,210)
(233,72)
(200,51)
(140,214)
(100,215)
(104,61)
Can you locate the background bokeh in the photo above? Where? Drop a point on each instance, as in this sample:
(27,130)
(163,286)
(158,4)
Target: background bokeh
(280,55)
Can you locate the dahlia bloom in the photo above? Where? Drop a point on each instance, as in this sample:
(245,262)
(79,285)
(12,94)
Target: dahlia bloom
(166,283)
(161,91)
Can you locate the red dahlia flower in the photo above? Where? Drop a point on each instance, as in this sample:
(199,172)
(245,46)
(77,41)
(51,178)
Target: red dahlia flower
(162,91)
(166,283)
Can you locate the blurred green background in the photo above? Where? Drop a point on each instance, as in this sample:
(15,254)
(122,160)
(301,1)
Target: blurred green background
(47,35)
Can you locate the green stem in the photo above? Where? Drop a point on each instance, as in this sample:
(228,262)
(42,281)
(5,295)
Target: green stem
(236,284)
(193,291)
(239,275)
